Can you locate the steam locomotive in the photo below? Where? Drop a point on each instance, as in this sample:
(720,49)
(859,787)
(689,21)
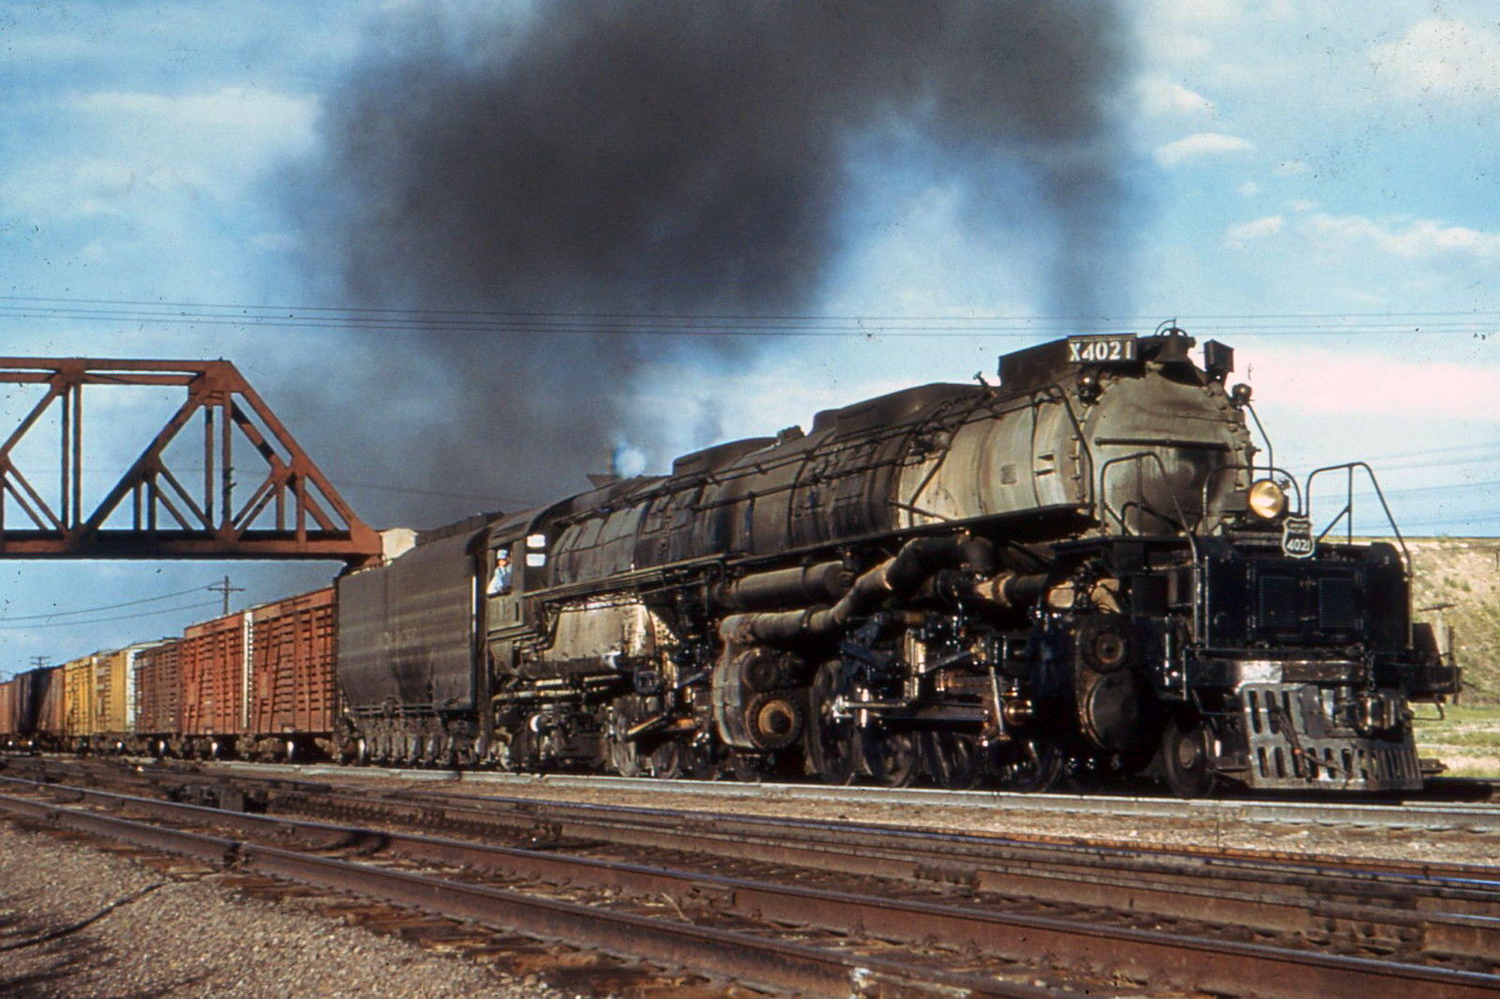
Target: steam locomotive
(1081,570)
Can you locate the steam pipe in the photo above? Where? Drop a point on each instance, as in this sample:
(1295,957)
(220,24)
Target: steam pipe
(897,578)
(811,584)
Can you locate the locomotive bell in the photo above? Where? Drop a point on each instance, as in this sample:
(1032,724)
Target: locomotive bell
(1088,386)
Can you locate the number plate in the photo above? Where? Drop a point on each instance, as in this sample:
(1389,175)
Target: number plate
(1101,349)
(1297,539)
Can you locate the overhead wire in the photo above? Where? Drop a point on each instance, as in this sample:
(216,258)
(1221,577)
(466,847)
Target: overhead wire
(105,607)
(479,321)
(7,626)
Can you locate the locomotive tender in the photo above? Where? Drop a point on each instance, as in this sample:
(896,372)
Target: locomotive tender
(1083,568)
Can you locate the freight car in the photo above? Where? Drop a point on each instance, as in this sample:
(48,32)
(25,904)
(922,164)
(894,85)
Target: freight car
(1085,568)
(10,714)
(34,718)
(256,683)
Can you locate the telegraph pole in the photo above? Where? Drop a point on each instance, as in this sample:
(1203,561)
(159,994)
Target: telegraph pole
(224,588)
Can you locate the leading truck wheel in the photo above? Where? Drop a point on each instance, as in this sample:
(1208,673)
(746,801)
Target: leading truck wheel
(1186,760)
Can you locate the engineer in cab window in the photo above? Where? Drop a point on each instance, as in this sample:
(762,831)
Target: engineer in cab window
(500,581)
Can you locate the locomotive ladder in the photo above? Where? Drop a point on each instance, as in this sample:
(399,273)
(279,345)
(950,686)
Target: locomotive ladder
(289,511)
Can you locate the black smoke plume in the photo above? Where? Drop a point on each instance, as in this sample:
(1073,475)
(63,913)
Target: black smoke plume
(674,157)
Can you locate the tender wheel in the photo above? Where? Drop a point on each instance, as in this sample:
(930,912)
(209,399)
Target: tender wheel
(1029,765)
(891,758)
(953,760)
(1186,760)
(833,744)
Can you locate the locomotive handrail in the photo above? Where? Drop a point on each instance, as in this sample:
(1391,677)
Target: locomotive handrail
(1162,468)
(1079,435)
(1265,437)
(942,412)
(1252,469)
(1348,467)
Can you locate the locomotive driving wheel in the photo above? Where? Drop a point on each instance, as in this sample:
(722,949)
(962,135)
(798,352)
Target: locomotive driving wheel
(953,760)
(891,757)
(1029,765)
(623,758)
(668,760)
(832,742)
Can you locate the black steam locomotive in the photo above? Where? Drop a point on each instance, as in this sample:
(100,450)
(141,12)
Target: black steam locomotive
(1081,570)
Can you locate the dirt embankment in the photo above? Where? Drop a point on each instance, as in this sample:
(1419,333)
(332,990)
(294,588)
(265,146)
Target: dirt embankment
(1462,575)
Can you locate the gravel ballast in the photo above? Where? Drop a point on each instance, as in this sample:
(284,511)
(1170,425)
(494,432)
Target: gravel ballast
(195,938)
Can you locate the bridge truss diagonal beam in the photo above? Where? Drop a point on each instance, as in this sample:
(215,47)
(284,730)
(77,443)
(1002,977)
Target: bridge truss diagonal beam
(267,500)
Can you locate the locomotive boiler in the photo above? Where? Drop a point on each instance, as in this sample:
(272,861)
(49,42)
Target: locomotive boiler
(1084,569)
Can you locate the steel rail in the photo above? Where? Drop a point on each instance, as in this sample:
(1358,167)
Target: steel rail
(1211,965)
(1451,915)
(774,963)
(1414,908)
(1475,818)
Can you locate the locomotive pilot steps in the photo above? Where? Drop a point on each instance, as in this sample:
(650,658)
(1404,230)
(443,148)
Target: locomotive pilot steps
(1084,567)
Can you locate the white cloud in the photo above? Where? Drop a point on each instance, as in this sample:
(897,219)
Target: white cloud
(251,111)
(1409,240)
(1302,205)
(1238,236)
(165,152)
(1248,189)
(1363,383)
(1162,96)
(82,189)
(1444,59)
(1200,145)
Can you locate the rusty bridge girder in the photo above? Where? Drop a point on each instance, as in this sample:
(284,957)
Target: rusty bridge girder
(292,511)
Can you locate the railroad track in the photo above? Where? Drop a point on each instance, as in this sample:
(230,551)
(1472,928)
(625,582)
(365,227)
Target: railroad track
(1416,814)
(1434,930)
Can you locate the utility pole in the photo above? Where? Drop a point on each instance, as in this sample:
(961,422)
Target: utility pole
(224,588)
(37,662)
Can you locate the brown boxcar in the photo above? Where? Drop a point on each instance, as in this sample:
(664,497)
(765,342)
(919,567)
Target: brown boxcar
(158,692)
(214,683)
(291,673)
(42,707)
(10,711)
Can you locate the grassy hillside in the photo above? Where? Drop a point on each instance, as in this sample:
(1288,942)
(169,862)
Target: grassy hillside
(1464,572)
(1467,739)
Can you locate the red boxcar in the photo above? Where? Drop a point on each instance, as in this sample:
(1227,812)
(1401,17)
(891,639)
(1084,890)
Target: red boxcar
(158,693)
(291,671)
(214,682)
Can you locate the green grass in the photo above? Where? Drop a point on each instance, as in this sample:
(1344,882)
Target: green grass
(1467,738)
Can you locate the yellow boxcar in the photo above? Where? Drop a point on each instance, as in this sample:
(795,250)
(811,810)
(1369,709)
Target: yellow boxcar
(114,690)
(79,691)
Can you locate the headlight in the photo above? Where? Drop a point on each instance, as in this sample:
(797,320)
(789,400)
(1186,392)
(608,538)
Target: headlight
(1267,500)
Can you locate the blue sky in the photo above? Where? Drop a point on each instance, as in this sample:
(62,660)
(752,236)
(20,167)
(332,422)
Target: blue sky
(1314,183)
